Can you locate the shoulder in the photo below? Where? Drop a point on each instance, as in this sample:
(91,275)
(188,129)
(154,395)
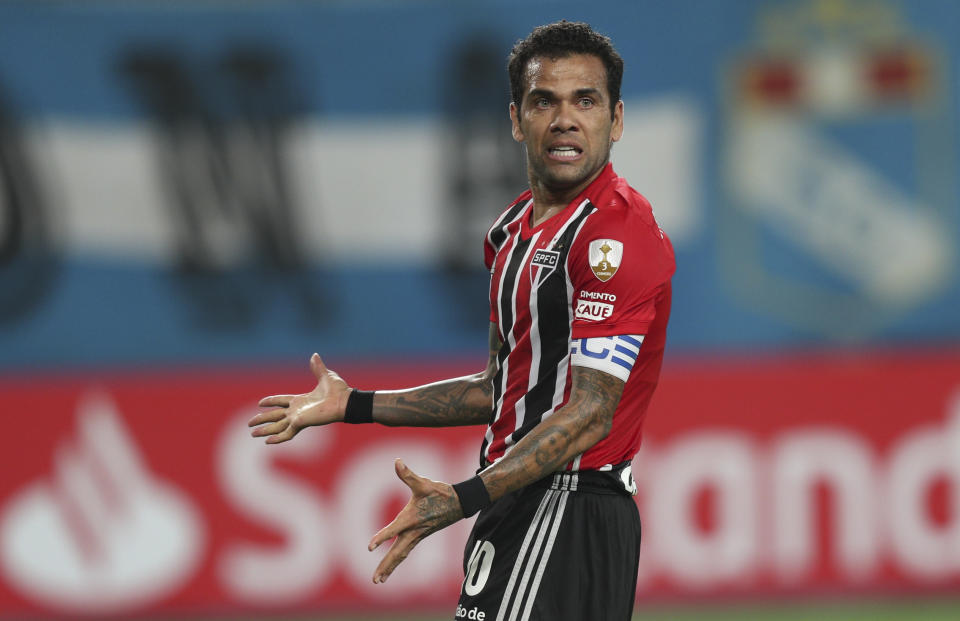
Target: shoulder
(515,206)
(509,214)
(624,214)
(497,234)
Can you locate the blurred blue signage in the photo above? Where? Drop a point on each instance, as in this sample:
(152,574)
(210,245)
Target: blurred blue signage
(258,181)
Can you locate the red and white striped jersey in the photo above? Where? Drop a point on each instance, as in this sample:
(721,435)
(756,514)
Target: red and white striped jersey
(599,268)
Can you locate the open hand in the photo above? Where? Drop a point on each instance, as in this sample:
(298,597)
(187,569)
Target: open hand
(322,405)
(434,505)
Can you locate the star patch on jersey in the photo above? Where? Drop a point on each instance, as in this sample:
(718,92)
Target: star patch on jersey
(605,258)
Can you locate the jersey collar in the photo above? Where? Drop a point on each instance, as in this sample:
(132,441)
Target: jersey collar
(590,192)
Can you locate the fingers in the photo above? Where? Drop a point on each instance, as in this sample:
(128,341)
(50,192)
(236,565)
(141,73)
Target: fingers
(401,468)
(411,524)
(397,553)
(391,530)
(271,429)
(268,416)
(283,436)
(403,521)
(317,367)
(276,401)
(411,479)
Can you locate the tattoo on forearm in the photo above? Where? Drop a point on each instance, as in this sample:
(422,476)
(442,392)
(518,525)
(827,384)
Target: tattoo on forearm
(553,443)
(459,402)
(462,401)
(571,430)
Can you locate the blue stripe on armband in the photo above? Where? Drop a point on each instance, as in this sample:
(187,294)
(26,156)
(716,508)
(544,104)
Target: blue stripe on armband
(596,341)
(612,354)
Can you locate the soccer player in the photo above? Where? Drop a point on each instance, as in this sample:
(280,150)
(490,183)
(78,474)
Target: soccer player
(579,302)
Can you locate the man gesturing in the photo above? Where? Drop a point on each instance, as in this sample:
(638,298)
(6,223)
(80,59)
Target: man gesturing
(579,303)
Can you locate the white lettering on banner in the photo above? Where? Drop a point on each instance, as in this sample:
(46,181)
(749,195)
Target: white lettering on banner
(727,463)
(802,459)
(323,535)
(765,513)
(924,548)
(104,534)
(274,573)
(765,508)
(364,492)
(762,530)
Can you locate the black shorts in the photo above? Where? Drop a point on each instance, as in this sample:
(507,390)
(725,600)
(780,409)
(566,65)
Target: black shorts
(564,548)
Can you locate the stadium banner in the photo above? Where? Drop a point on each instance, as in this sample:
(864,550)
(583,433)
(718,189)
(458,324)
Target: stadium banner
(140,493)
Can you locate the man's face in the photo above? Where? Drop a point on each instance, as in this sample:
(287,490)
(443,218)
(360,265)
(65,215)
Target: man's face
(564,119)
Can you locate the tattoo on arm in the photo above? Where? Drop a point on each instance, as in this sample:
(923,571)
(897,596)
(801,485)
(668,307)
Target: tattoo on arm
(582,422)
(461,401)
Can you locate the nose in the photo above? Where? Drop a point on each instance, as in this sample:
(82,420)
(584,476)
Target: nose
(565,119)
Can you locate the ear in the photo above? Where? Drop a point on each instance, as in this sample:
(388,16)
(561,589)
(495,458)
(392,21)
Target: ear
(515,123)
(616,130)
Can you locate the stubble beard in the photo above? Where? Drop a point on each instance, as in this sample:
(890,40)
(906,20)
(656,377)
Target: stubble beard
(544,176)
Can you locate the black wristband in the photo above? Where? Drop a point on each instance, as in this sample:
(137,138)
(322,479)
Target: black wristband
(359,407)
(473,495)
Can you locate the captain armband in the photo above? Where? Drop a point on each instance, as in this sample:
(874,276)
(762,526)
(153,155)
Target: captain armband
(615,355)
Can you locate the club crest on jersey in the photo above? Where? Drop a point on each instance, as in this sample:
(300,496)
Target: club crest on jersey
(542,264)
(605,258)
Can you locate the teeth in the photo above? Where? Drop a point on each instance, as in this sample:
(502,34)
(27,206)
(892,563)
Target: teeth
(564,151)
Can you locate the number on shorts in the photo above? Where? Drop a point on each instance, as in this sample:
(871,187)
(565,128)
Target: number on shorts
(478,567)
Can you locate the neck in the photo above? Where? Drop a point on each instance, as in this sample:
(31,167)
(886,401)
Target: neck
(548,201)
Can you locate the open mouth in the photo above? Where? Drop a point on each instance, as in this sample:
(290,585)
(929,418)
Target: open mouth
(565,152)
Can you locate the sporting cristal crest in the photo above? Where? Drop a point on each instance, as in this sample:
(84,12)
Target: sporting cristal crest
(835,172)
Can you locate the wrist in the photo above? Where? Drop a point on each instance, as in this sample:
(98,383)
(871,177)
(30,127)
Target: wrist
(473,495)
(359,408)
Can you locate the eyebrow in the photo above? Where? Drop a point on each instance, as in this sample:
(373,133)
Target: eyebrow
(541,92)
(580,92)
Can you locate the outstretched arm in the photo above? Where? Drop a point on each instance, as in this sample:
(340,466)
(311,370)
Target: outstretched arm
(582,422)
(460,401)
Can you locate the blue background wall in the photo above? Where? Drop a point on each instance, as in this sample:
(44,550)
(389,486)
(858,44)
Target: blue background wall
(389,64)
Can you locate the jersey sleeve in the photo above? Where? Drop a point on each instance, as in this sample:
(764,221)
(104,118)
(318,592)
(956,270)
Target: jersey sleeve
(489,255)
(619,265)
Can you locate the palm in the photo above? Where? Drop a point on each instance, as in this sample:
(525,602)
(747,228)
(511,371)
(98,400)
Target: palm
(322,405)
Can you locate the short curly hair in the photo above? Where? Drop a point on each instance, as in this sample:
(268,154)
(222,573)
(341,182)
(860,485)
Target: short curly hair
(559,40)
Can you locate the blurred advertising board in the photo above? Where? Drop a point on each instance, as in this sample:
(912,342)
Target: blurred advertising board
(137,493)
